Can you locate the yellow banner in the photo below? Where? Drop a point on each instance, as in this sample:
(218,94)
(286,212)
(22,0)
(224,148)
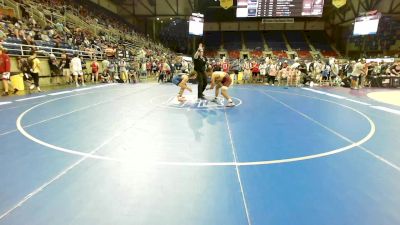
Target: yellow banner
(339,3)
(226,4)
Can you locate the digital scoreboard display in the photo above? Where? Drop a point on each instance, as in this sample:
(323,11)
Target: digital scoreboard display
(279,8)
(366,25)
(196,24)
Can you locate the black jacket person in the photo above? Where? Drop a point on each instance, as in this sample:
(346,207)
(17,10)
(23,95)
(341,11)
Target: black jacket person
(200,66)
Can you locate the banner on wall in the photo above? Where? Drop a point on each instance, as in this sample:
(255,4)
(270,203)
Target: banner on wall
(339,3)
(226,4)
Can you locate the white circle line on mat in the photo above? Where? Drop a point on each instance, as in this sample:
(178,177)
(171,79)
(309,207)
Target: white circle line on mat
(200,164)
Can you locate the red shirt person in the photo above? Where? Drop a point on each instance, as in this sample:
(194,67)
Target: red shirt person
(225,67)
(255,69)
(5,67)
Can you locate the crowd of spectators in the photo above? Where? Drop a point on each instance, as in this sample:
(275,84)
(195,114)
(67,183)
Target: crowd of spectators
(120,49)
(330,72)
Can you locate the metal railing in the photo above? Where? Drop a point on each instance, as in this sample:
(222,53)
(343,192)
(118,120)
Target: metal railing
(15,49)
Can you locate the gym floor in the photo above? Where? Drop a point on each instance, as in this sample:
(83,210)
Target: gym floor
(131,154)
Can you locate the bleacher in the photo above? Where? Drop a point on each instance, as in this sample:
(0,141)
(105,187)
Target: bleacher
(234,54)
(304,54)
(212,40)
(297,41)
(280,54)
(256,54)
(232,40)
(253,40)
(275,41)
(210,53)
(319,40)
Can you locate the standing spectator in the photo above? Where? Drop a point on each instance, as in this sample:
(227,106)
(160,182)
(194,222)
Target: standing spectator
(143,67)
(122,70)
(95,70)
(35,71)
(235,69)
(317,66)
(148,68)
(216,66)
(263,71)
(154,68)
(23,66)
(255,69)
(111,70)
(64,66)
(283,74)
(76,69)
(164,68)
(84,68)
(334,73)
(246,71)
(5,67)
(200,67)
(326,72)
(358,71)
(225,66)
(105,76)
(273,71)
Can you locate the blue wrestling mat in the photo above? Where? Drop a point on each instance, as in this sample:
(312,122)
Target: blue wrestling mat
(133,154)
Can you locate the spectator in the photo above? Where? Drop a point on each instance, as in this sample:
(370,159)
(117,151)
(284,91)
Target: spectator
(112,70)
(358,71)
(24,67)
(5,67)
(95,70)
(246,71)
(395,69)
(76,70)
(105,75)
(263,71)
(54,69)
(123,71)
(65,67)
(235,67)
(84,67)
(44,37)
(272,72)
(35,70)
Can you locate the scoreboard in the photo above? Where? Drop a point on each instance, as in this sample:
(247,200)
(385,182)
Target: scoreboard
(279,8)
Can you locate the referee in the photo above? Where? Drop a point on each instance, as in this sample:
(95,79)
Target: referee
(200,67)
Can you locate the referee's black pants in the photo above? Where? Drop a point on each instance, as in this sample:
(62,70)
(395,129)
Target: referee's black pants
(202,83)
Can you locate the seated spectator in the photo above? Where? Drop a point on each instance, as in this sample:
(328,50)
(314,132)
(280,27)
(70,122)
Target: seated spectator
(27,41)
(110,51)
(32,22)
(2,35)
(395,69)
(44,37)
